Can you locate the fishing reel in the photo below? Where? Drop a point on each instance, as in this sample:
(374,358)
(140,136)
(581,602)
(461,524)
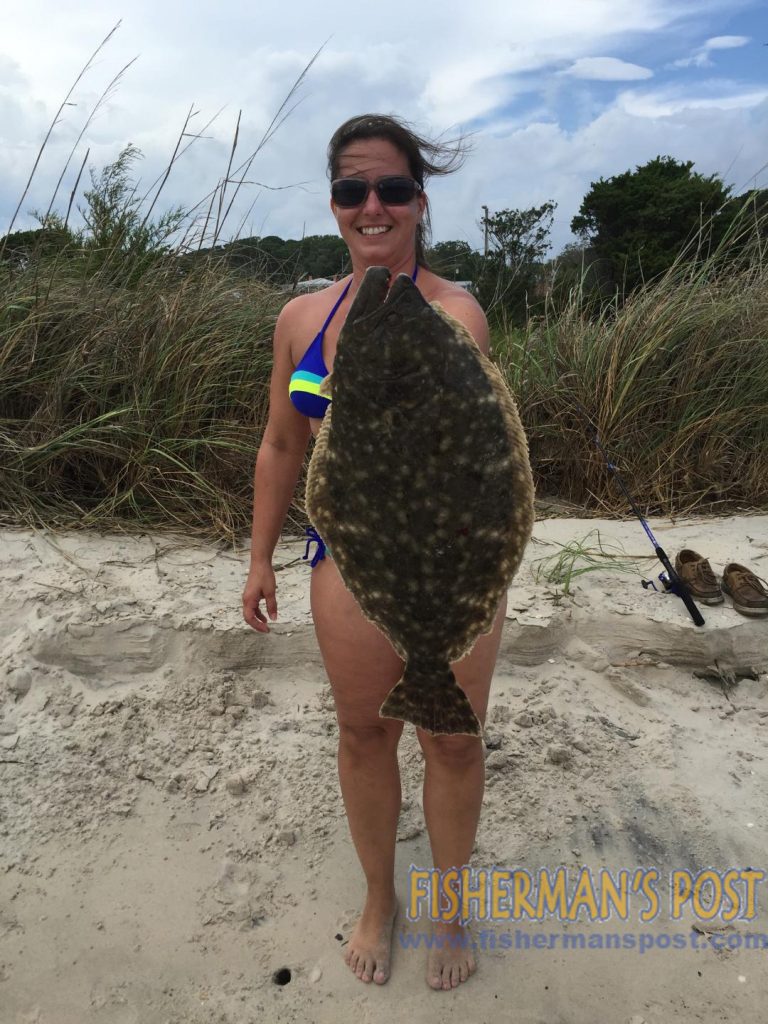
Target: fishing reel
(668,585)
(677,587)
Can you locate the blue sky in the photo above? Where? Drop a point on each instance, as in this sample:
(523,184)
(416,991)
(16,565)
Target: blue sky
(556,95)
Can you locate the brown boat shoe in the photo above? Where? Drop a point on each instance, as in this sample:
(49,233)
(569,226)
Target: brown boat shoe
(696,573)
(747,591)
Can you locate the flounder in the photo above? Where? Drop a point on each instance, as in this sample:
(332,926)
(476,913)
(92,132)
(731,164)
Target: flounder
(420,485)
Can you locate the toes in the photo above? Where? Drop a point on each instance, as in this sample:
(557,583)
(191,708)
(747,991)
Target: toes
(449,976)
(381,974)
(363,967)
(435,981)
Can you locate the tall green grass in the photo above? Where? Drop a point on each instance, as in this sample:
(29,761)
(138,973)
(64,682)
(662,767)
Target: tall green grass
(136,407)
(142,407)
(674,381)
(577,557)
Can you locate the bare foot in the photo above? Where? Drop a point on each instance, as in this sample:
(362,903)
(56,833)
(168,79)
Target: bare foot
(369,950)
(450,960)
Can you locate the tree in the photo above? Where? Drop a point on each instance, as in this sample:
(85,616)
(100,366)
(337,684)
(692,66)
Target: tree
(519,238)
(51,239)
(511,270)
(455,260)
(638,222)
(285,261)
(575,277)
(117,232)
(322,256)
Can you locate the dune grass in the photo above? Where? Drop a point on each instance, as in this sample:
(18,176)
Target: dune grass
(142,407)
(133,407)
(577,557)
(674,382)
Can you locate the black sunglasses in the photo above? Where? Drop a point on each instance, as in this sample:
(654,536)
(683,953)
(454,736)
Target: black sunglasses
(392,190)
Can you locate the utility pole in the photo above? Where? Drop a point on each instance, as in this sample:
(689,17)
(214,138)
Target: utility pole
(485,225)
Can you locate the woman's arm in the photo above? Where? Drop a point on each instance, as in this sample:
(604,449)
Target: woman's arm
(278,465)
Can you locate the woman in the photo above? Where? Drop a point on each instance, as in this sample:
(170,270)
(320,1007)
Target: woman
(377,166)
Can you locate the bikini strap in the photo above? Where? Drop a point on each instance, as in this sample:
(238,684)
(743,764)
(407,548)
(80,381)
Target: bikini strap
(336,306)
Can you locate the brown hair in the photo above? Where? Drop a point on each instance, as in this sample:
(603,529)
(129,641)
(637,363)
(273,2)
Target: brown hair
(425,158)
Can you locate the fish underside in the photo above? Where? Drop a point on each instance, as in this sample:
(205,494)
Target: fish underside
(421,486)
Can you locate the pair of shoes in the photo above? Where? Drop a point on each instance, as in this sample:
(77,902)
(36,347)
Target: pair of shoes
(747,591)
(696,572)
(749,595)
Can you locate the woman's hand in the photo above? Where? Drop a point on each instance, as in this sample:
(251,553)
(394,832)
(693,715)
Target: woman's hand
(260,585)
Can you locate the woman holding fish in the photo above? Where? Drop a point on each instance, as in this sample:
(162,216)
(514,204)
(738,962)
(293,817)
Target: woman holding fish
(378,168)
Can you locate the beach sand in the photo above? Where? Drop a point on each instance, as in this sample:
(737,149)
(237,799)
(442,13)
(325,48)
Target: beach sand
(172,834)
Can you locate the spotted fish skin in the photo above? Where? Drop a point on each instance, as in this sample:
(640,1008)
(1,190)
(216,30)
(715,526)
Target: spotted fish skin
(421,486)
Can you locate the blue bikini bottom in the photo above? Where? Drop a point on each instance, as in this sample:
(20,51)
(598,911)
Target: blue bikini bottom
(322,548)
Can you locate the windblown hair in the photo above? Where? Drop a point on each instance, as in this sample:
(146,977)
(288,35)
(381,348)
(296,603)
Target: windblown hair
(425,158)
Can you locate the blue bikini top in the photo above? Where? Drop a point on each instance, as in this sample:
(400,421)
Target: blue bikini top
(304,386)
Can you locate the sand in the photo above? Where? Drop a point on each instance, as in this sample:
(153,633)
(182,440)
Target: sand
(171,831)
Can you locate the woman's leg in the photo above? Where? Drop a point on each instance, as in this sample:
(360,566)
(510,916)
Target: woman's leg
(362,668)
(454,780)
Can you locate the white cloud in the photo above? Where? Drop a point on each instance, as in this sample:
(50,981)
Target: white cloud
(668,102)
(468,89)
(726,42)
(701,58)
(607,69)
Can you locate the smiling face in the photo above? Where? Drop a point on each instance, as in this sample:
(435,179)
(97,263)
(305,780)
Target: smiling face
(377,234)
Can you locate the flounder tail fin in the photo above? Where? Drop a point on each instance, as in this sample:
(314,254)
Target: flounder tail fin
(430,697)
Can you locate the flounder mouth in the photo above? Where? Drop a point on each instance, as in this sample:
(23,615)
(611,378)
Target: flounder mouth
(375,299)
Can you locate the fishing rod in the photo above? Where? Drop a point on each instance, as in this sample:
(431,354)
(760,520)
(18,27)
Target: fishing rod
(671,580)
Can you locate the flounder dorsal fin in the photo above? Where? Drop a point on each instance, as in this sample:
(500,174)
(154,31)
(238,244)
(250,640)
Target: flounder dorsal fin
(326,386)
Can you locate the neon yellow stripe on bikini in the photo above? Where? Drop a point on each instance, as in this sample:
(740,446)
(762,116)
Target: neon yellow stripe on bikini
(304,385)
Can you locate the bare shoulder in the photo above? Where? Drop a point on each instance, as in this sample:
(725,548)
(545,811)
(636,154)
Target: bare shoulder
(302,317)
(464,307)
(305,309)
